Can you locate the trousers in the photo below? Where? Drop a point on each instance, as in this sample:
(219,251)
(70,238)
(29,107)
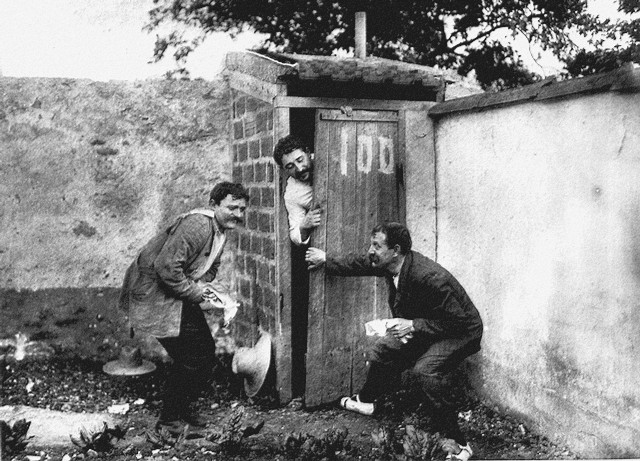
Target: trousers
(193,357)
(433,362)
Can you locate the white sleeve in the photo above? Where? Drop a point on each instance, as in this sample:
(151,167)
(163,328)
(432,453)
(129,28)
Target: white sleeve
(296,216)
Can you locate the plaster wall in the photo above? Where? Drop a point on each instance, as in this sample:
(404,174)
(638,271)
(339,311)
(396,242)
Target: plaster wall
(420,181)
(89,171)
(539,217)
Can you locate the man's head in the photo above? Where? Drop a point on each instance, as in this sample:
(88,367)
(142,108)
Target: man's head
(292,154)
(229,202)
(389,243)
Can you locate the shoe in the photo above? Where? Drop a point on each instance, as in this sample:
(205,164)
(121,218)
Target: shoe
(175,427)
(193,419)
(463,455)
(354,404)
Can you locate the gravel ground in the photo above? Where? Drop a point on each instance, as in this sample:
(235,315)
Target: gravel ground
(72,384)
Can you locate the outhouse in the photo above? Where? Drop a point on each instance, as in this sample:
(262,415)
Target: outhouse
(356,115)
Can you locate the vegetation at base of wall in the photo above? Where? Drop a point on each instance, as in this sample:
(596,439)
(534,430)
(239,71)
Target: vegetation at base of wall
(229,438)
(99,441)
(162,439)
(410,444)
(78,385)
(14,438)
(331,445)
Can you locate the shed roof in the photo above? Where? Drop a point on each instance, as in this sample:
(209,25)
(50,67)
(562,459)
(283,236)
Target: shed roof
(302,69)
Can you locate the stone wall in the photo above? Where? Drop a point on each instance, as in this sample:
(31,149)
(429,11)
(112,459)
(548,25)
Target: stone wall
(89,171)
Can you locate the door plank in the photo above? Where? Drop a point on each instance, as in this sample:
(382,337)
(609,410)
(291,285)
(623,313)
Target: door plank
(315,337)
(359,190)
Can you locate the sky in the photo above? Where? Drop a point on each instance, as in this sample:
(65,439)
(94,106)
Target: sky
(103,40)
(94,39)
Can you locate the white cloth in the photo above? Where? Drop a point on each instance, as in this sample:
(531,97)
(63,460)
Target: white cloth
(298,197)
(215,298)
(217,245)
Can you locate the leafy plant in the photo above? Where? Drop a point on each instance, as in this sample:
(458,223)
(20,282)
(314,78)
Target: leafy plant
(385,441)
(418,444)
(308,447)
(163,439)
(229,439)
(14,437)
(412,444)
(100,440)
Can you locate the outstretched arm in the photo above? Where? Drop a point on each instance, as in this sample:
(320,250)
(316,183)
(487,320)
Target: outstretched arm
(315,258)
(348,265)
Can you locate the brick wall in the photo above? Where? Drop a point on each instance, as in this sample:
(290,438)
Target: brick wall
(255,258)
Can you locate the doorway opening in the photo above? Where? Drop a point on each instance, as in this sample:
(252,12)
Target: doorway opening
(301,124)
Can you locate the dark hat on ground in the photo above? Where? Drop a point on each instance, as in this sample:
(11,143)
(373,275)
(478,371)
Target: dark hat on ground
(252,363)
(130,363)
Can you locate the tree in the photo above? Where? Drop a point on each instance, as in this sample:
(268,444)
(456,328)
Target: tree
(625,34)
(450,34)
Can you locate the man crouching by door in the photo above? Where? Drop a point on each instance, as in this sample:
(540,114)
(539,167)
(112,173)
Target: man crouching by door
(435,326)
(163,289)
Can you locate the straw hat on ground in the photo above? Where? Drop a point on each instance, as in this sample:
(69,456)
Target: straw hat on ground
(252,363)
(130,363)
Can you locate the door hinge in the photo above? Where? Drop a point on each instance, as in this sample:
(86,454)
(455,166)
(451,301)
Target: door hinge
(347,110)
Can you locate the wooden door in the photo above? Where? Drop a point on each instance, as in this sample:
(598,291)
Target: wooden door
(358,183)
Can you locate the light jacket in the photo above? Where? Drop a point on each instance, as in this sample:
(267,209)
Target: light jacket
(161,278)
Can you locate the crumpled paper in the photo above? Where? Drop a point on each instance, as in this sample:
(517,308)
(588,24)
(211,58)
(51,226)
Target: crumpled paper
(379,327)
(376,327)
(214,298)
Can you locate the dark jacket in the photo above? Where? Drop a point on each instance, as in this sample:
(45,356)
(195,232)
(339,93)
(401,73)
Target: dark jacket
(427,294)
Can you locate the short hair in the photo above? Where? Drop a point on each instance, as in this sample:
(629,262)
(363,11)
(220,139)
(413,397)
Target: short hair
(222,189)
(396,234)
(287,145)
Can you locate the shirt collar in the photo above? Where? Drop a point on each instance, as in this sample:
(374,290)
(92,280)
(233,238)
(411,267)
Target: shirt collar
(216,225)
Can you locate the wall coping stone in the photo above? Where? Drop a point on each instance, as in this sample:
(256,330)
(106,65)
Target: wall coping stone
(624,80)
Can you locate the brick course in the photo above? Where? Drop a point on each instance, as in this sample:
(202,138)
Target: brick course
(255,246)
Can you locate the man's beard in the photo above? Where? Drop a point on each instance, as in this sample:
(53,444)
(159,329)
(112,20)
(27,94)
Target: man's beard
(300,175)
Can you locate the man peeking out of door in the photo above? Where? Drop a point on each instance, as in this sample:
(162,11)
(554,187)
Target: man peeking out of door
(435,326)
(294,157)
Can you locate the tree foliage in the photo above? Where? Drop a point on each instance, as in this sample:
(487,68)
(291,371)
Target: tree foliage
(451,34)
(625,34)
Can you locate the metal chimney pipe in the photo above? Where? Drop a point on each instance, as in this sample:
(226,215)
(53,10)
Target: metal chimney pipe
(361,35)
